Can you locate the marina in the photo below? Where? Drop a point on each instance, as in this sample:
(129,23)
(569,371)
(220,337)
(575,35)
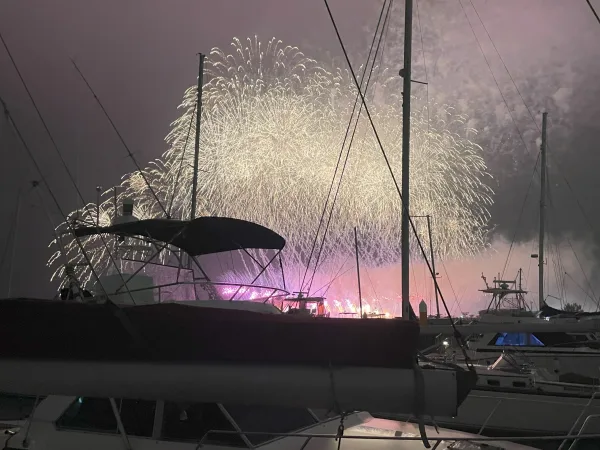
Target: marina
(277,275)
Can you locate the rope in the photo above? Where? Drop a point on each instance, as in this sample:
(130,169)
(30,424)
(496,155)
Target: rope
(456,299)
(340,156)
(426,76)
(58,152)
(593,11)
(585,276)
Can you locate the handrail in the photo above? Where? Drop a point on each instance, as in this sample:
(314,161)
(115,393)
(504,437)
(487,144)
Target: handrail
(492,412)
(547,402)
(212,283)
(514,399)
(587,419)
(584,409)
(409,437)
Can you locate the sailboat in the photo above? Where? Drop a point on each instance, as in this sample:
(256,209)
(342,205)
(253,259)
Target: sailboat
(526,364)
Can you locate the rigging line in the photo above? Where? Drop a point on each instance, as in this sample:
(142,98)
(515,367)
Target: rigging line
(386,27)
(527,107)
(194,112)
(585,276)
(505,67)
(494,77)
(54,199)
(336,276)
(426,76)
(322,246)
(397,187)
(12,232)
(332,210)
(597,301)
(578,286)
(333,281)
(373,287)
(579,205)
(514,237)
(555,258)
(341,150)
(529,268)
(456,299)
(130,154)
(350,143)
(58,152)
(593,11)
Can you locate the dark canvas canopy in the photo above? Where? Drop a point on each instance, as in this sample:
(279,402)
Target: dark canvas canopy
(201,236)
(549,311)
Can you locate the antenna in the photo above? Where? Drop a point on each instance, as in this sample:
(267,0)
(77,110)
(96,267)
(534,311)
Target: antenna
(197,138)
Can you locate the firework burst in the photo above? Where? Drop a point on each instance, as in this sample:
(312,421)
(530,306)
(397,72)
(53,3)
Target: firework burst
(273,124)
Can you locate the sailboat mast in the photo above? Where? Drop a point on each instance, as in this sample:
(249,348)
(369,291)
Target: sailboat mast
(542,212)
(437,300)
(358,272)
(406,73)
(197,138)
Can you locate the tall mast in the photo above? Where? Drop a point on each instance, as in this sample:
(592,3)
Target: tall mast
(358,272)
(542,212)
(437,301)
(406,73)
(197,138)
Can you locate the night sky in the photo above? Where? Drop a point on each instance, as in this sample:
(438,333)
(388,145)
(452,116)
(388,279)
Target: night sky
(140,56)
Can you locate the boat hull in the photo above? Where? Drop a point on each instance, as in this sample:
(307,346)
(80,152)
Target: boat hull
(344,389)
(180,333)
(488,411)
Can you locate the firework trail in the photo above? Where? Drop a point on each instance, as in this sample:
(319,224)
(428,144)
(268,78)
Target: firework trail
(273,123)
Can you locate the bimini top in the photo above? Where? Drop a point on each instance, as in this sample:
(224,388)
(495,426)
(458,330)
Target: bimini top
(201,236)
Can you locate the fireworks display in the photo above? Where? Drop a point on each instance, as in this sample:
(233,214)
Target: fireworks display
(272,128)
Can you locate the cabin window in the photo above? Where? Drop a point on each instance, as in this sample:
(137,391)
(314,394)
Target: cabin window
(96,414)
(272,419)
(493,382)
(89,414)
(137,416)
(21,405)
(516,339)
(192,421)
(519,384)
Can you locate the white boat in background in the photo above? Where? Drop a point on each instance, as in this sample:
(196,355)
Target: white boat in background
(75,423)
(514,399)
(567,347)
(120,341)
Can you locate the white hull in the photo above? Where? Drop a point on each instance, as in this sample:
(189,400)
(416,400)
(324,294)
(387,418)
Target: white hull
(44,434)
(521,413)
(577,361)
(352,388)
